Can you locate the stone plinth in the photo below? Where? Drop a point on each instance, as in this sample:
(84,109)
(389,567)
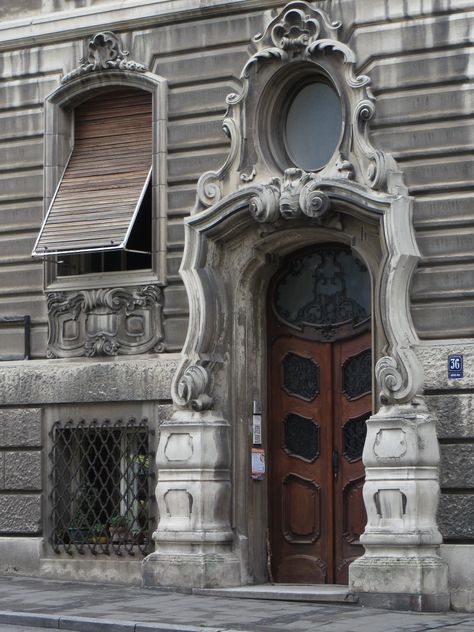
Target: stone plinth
(401,567)
(194,539)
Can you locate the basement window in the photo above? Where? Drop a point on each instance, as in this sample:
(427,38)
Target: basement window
(100,218)
(102,492)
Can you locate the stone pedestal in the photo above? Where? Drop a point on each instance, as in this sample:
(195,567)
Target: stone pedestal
(401,567)
(194,539)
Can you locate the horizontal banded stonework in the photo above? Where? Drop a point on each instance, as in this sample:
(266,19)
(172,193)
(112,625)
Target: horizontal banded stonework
(422,80)
(418,56)
(103,182)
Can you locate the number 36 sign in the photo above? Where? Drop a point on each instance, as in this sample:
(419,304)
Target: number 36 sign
(455,366)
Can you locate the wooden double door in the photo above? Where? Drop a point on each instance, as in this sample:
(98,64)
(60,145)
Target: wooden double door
(319,401)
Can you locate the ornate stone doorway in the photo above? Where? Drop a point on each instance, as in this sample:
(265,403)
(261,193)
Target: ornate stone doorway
(267,199)
(319,398)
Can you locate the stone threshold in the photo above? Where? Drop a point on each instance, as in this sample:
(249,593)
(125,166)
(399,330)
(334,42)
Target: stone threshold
(315,593)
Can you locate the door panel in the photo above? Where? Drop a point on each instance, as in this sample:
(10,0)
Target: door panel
(319,401)
(319,381)
(352,373)
(299,435)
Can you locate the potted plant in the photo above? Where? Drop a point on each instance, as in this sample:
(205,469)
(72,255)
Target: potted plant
(119,528)
(82,515)
(98,533)
(79,526)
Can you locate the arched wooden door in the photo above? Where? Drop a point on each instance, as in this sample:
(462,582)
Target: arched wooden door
(320,379)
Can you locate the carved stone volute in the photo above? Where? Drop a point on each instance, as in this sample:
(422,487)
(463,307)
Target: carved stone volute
(297,194)
(313,202)
(192,386)
(399,377)
(265,204)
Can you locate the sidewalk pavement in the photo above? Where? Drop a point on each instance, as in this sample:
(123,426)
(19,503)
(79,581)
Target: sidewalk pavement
(87,607)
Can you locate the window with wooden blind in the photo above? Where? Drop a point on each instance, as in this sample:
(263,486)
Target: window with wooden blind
(100,218)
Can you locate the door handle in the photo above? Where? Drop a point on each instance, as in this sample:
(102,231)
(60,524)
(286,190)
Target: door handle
(335,463)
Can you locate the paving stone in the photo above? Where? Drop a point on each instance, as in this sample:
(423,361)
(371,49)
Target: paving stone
(97,606)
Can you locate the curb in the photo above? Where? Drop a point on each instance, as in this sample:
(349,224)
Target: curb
(86,624)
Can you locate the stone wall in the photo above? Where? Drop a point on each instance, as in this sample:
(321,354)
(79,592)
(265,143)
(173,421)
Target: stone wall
(201,62)
(26,8)
(422,81)
(453,404)
(33,395)
(417,57)
(20,471)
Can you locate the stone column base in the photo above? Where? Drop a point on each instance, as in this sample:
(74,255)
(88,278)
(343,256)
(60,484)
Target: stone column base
(191,570)
(416,582)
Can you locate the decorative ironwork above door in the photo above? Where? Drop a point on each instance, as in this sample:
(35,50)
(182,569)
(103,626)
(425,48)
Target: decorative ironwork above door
(340,300)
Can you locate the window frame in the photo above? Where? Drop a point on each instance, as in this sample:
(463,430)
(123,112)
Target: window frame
(58,145)
(271,103)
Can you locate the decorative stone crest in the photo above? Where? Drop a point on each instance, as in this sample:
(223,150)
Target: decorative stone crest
(104,52)
(105,322)
(297,27)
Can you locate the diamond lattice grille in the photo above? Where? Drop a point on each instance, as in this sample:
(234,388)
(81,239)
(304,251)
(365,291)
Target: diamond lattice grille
(101,493)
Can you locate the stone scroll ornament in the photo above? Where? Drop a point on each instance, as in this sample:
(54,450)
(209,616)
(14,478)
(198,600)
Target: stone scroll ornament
(105,322)
(399,381)
(296,195)
(192,388)
(104,52)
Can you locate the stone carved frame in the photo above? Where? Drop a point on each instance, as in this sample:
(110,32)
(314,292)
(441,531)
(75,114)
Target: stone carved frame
(359,179)
(248,214)
(99,309)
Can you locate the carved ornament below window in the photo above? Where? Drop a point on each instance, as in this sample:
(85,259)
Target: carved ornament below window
(106,322)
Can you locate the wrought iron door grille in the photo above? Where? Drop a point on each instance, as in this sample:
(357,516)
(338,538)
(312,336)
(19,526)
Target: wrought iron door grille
(101,487)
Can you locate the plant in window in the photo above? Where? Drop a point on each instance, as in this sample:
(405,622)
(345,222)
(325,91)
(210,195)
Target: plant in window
(119,528)
(99,533)
(82,517)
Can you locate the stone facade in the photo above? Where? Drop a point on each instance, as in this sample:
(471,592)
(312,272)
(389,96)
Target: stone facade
(224,214)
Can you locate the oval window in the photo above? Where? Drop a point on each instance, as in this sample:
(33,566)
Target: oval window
(313,126)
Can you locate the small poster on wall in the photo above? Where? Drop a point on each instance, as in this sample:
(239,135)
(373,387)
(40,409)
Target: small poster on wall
(258,464)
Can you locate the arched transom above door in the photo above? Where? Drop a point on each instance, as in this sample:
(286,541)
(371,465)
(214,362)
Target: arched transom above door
(325,289)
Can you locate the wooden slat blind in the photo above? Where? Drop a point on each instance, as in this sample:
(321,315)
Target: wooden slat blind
(97,199)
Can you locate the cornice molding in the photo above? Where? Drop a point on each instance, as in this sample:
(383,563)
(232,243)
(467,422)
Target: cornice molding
(116,16)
